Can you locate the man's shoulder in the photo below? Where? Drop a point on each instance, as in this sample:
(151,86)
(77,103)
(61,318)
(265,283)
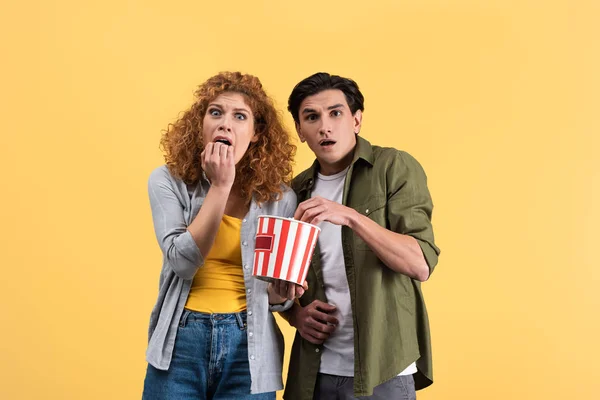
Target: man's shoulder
(387,157)
(301,179)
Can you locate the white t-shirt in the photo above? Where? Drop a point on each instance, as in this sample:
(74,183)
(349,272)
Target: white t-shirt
(337,357)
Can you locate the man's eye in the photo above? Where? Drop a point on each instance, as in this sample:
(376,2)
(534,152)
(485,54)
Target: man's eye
(312,117)
(336,113)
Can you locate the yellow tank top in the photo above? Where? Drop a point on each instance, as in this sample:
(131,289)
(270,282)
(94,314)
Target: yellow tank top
(218,286)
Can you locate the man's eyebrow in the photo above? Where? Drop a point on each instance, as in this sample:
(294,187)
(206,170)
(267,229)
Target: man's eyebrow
(308,110)
(339,105)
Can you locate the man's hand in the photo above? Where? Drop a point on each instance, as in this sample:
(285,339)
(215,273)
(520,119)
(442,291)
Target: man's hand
(314,322)
(280,291)
(318,209)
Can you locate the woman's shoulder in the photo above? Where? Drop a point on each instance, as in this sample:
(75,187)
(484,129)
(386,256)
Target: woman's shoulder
(161,177)
(286,202)
(159,174)
(288,195)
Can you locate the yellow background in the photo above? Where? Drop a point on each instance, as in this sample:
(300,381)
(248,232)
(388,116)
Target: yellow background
(498,99)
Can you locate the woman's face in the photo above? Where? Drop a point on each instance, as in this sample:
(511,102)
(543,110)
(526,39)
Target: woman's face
(229,120)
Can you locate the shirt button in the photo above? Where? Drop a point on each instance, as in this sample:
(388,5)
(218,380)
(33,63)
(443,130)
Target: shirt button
(249,312)
(244,243)
(317,350)
(244,220)
(249,291)
(367,210)
(252,357)
(245,266)
(250,334)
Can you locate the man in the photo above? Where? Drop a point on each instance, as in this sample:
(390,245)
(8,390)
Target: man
(362,326)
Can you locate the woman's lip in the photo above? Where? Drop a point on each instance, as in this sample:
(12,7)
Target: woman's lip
(217,138)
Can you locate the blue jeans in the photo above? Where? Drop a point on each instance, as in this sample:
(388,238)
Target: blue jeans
(342,388)
(210,361)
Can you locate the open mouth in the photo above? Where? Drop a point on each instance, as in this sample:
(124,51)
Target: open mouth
(326,142)
(224,141)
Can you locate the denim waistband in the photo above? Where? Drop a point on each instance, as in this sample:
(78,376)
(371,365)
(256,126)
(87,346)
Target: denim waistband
(188,316)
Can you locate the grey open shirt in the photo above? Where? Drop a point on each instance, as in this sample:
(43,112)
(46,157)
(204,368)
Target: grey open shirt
(174,206)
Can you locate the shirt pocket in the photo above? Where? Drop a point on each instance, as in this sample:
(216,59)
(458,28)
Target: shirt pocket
(375,209)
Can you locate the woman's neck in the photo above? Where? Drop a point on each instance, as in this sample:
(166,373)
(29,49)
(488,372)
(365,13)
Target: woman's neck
(236,204)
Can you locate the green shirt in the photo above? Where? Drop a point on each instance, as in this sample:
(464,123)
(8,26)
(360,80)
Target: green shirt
(391,328)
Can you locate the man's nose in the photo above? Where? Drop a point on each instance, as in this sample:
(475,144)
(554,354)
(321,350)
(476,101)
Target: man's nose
(325,127)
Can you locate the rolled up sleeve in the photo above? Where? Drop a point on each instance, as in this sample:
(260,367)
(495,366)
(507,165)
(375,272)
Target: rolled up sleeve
(176,242)
(410,206)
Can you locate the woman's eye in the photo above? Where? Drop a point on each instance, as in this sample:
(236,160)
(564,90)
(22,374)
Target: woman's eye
(240,116)
(214,112)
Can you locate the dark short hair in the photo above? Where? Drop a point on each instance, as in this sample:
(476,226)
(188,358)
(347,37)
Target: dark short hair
(323,81)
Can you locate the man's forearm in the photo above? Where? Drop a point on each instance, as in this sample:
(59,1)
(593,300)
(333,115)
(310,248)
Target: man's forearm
(400,253)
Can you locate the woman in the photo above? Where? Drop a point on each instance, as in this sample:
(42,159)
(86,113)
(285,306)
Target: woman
(228,160)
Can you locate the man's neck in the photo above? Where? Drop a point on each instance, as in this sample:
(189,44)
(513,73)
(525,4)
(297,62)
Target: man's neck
(332,169)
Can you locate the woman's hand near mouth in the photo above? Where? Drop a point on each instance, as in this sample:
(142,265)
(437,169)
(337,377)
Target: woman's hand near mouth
(218,164)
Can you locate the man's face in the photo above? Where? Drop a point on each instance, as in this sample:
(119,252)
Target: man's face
(329,128)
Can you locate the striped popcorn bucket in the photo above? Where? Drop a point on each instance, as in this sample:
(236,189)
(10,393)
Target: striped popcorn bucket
(284,247)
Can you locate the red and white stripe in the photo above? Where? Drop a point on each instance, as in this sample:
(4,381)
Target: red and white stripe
(286,248)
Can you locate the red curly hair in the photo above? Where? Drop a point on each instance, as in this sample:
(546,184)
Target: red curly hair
(266,164)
